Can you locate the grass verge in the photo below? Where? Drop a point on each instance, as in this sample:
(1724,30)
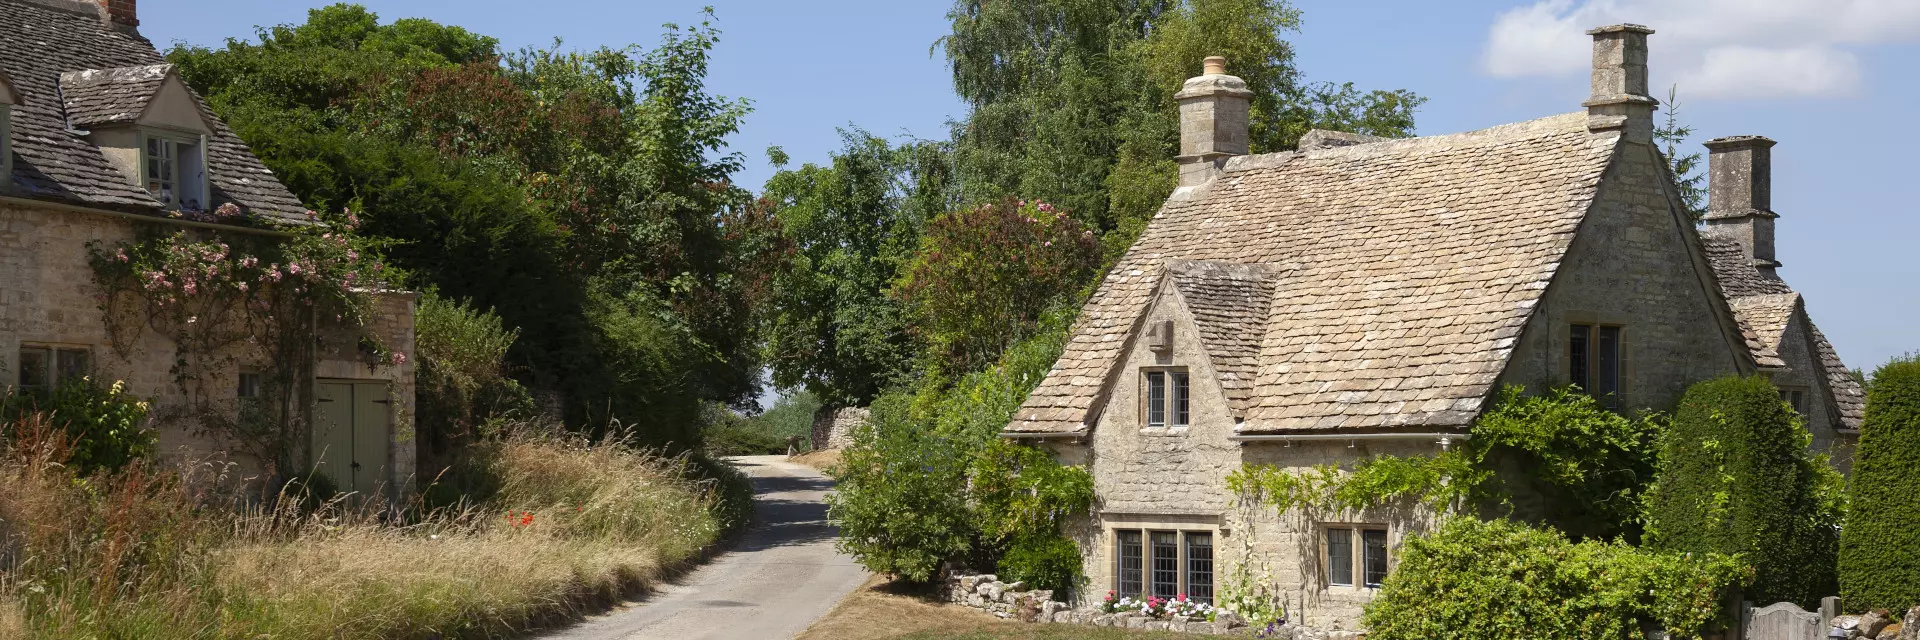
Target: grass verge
(149,553)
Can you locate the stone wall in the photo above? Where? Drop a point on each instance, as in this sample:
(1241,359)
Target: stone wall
(833,428)
(1014,601)
(1635,263)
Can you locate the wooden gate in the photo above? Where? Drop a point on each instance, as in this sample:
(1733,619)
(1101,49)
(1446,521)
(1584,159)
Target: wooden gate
(353,435)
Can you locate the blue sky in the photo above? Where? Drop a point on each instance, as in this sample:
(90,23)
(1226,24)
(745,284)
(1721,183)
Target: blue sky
(1831,80)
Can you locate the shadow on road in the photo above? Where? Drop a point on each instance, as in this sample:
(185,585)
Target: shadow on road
(787,522)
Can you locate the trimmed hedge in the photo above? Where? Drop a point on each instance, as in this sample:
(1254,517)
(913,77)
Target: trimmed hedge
(1473,580)
(1735,477)
(1880,546)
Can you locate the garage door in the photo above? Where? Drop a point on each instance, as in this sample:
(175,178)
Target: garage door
(351,435)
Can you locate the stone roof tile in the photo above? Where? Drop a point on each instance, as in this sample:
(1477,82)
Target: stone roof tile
(98,97)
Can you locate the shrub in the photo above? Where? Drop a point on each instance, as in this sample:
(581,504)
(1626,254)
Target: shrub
(897,501)
(1044,562)
(105,428)
(1588,465)
(1735,477)
(1880,544)
(462,380)
(1474,579)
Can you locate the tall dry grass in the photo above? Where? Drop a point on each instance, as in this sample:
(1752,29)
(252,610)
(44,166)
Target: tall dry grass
(146,553)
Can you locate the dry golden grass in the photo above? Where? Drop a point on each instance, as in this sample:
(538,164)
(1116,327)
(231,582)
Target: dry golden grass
(821,460)
(138,555)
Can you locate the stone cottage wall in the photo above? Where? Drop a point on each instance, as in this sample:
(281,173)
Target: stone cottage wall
(833,428)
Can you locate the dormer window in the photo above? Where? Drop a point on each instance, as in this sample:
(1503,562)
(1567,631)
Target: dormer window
(146,122)
(175,171)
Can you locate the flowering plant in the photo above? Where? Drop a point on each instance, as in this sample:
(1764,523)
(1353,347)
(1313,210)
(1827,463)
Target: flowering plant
(1178,606)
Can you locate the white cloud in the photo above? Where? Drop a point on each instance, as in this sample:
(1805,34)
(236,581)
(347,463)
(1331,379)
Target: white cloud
(1713,48)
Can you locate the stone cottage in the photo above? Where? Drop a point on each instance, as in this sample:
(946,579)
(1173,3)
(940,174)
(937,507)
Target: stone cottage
(1365,296)
(103,142)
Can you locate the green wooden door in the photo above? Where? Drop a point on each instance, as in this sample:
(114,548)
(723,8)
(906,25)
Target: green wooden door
(352,435)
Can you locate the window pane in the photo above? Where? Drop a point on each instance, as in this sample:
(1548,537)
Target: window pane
(1340,557)
(73,364)
(1375,544)
(1608,368)
(1130,564)
(36,369)
(1578,351)
(1166,564)
(1179,398)
(1156,398)
(249,385)
(1200,567)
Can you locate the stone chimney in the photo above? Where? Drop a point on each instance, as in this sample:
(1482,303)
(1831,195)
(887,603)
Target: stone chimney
(1740,197)
(1620,101)
(122,14)
(1213,122)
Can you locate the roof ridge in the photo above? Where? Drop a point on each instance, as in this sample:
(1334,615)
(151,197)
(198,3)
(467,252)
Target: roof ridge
(82,7)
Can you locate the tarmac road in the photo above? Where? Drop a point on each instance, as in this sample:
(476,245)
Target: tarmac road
(773,583)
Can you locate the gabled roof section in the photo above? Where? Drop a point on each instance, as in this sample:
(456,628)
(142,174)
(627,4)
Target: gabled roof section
(40,41)
(1764,306)
(99,97)
(1404,271)
(1229,303)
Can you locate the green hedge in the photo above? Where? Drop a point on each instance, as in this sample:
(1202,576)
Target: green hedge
(1476,579)
(1880,546)
(1735,477)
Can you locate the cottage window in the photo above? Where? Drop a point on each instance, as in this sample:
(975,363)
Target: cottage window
(249,384)
(1164,564)
(174,171)
(1593,358)
(1795,397)
(1166,396)
(43,368)
(1356,552)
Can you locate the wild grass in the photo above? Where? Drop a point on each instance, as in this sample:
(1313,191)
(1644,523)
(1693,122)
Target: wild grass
(152,552)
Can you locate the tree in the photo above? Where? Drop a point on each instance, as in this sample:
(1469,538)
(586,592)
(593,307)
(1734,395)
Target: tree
(1879,546)
(853,224)
(584,196)
(1685,166)
(1735,477)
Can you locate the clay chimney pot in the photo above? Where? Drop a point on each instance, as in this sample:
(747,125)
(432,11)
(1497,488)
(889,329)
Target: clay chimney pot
(1214,65)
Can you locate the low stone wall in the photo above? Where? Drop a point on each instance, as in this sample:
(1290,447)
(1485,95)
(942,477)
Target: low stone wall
(833,428)
(1878,625)
(1015,601)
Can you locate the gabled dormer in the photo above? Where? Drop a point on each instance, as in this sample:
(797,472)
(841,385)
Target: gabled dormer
(148,125)
(9,98)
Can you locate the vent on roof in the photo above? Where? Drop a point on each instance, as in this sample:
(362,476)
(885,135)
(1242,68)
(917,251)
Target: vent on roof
(1160,336)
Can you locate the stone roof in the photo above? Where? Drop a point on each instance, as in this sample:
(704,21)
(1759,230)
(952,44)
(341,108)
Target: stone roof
(1229,303)
(43,40)
(98,97)
(1764,305)
(1403,272)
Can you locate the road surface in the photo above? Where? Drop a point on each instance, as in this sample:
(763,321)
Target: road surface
(774,582)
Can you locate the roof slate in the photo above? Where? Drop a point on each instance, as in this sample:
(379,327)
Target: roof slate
(1403,272)
(40,40)
(98,97)
(1760,303)
(1229,303)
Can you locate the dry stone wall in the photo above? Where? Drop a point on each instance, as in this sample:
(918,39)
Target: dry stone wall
(833,428)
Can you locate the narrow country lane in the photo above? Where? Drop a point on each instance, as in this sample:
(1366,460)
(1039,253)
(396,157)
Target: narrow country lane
(773,583)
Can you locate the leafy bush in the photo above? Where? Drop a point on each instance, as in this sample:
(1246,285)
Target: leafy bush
(1880,544)
(985,274)
(897,500)
(1044,562)
(1475,579)
(1735,477)
(461,383)
(789,421)
(105,427)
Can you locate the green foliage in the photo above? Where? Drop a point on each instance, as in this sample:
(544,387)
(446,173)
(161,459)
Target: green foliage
(984,275)
(790,420)
(1735,477)
(1587,464)
(565,191)
(1475,579)
(1072,102)
(1044,562)
(1880,546)
(461,385)
(898,498)
(1685,167)
(105,429)
(853,224)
